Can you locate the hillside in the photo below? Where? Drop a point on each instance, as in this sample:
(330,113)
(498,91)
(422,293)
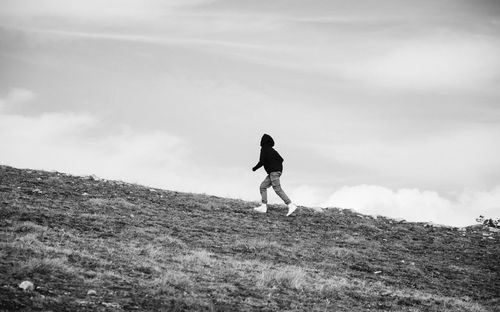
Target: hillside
(95,245)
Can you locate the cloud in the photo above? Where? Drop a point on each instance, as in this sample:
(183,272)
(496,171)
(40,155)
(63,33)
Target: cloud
(432,63)
(16,96)
(71,142)
(82,143)
(305,195)
(160,40)
(464,157)
(417,205)
(94,9)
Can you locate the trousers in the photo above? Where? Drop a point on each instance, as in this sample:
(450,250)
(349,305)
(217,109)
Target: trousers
(273,179)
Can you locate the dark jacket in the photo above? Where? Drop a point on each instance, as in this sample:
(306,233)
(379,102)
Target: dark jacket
(269,157)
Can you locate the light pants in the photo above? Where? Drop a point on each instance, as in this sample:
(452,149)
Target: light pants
(273,179)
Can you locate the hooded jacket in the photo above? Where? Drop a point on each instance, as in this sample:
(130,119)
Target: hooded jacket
(269,157)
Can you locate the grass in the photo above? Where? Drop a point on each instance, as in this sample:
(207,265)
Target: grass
(287,277)
(155,250)
(168,283)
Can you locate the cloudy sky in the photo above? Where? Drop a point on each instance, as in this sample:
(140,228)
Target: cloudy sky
(389,107)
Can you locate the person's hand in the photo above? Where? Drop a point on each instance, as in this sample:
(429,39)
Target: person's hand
(253,169)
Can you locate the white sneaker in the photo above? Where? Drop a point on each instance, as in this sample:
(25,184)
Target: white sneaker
(262,208)
(291,209)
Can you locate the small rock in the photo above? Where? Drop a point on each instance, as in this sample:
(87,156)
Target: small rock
(131,215)
(27,286)
(85,194)
(111,305)
(91,292)
(377,272)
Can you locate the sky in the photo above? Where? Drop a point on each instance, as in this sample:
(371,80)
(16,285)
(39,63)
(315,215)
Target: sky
(387,107)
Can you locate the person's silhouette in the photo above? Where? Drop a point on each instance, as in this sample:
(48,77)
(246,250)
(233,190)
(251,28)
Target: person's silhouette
(273,164)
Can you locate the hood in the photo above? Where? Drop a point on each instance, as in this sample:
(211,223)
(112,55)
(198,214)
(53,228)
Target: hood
(266,141)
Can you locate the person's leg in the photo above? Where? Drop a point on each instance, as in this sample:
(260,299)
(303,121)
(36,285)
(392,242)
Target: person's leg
(275,182)
(263,189)
(263,193)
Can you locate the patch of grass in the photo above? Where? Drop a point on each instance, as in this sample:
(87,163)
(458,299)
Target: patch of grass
(257,244)
(209,206)
(167,240)
(326,287)
(197,257)
(447,304)
(369,291)
(29,242)
(151,251)
(45,266)
(248,268)
(114,203)
(93,216)
(29,227)
(168,282)
(342,253)
(287,276)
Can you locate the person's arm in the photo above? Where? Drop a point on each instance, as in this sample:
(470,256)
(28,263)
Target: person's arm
(261,161)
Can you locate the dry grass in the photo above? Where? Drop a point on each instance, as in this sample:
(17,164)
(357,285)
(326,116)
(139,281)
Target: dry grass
(342,253)
(45,266)
(115,203)
(168,283)
(29,227)
(197,257)
(288,277)
(257,244)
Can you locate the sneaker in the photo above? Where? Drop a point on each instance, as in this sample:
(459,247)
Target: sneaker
(291,209)
(262,208)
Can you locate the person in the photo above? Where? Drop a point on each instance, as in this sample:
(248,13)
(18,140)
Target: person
(273,164)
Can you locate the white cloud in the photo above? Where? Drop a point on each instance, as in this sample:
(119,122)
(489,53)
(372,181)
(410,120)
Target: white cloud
(17,96)
(305,195)
(430,63)
(418,205)
(462,158)
(81,143)
(160,40)
(94,9)
(65,141)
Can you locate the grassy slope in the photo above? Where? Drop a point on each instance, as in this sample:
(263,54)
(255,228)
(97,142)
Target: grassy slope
(149,249)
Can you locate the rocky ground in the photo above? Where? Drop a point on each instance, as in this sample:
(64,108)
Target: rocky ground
(87,244)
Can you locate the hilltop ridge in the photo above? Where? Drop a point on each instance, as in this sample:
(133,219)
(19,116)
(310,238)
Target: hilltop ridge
(91,244)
